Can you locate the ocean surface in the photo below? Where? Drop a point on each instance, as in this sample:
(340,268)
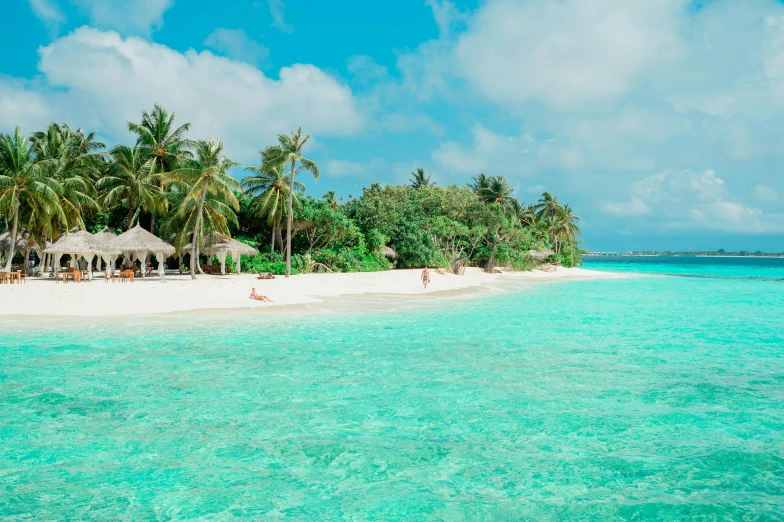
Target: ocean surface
(652,397)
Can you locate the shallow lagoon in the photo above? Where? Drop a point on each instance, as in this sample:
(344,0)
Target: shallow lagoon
(649,397)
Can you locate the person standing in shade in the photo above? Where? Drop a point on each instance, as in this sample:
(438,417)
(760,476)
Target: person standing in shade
(425,277)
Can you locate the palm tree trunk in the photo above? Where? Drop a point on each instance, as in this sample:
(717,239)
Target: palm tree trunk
(130,217)
(196,228)
(288,226)
(279,237)
(10,259)
(152,224)
(272,241)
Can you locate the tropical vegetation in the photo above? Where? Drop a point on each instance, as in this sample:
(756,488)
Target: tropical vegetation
(187,192)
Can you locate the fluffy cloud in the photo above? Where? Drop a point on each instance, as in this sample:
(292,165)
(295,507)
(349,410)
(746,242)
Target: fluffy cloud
(237,45)
(693,200)
(100,80)
(566,53)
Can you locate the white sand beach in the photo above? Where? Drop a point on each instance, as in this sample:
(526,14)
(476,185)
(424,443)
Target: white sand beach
(43,297)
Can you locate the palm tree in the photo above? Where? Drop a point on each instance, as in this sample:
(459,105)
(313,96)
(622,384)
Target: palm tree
(478,183)
(331,198)
(569,220)
(24,185)
(167,146)
(129,180)
(74,160)
(547,206)
(496,189)
(271,189)
(287,152)
(420,179)
(206,174)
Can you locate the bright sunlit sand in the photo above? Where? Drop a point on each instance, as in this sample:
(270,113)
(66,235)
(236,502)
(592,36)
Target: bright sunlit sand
(179,293)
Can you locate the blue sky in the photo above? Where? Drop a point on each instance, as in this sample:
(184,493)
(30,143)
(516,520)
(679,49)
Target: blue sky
(659,122)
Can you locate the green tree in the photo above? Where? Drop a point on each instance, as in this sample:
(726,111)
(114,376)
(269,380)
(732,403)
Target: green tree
(420,179)
(130,181)
(158,137)
(206,174)
(288,153)
(270,189)
(23,185)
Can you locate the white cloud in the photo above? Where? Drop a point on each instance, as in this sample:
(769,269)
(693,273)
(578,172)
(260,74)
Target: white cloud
(693,200)
(766,194)
(48,11)
(334,168)
(494,154)
(237,45)
(446,15)
(126,16)
(566,53)
(99,80)
(277,8)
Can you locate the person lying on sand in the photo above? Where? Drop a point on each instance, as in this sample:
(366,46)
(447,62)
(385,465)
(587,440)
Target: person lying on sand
(257,297)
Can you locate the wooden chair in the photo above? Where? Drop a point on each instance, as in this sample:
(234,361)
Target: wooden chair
(22,276)
(107,276)
(3,278)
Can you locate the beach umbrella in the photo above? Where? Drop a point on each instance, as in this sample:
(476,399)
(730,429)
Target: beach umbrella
(138,243)
(80,244)
(107,237)
(222,246)
(389,253)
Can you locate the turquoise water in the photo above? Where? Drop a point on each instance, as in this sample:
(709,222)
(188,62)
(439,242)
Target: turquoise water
(643,398)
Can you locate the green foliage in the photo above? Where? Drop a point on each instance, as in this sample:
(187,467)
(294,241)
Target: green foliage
(61,178)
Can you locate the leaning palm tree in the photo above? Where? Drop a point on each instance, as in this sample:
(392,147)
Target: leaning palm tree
(271,189)
(162,141)
(569,223)
(420,179)
(24,185)
(129,181)
(288,152)
(206,174)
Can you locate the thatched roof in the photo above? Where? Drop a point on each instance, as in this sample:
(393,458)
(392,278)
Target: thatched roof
(106,235)
(541,254)
(389,253)
(23,241)
(81,242)
(139,241)
(224,244)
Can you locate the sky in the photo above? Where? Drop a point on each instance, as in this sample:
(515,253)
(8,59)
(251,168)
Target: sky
(659,122)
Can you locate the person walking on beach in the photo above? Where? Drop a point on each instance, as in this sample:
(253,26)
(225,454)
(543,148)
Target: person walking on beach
(425,277)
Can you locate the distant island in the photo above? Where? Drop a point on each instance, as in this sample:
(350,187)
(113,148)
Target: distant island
(717,253)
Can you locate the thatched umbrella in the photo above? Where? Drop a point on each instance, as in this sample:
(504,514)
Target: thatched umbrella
(80,244)
(389,253)
(138,243)
(222,246)
(24,245)
(541,255)
(107,236)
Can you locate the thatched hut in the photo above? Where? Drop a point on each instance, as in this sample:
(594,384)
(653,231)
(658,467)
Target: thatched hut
(106,236)
(389,253)
(222,246)
(24,245)
(80,244)
(541,255)
(138,244)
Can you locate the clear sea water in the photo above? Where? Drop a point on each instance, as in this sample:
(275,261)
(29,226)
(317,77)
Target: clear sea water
(653,397)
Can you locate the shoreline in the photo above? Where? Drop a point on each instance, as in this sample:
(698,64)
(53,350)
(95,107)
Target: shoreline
(42,298)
